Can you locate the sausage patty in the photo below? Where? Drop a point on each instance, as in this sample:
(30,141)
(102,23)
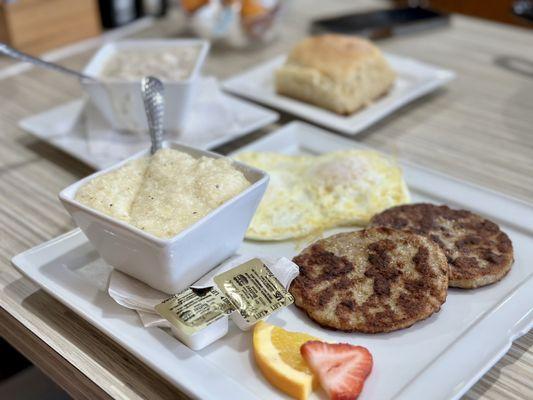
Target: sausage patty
(478,252)
(373,280)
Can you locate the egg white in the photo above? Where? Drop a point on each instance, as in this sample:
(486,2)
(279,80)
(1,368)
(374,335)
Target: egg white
(308,194)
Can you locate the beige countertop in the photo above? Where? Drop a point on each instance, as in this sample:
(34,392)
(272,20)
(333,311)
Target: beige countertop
(479,128)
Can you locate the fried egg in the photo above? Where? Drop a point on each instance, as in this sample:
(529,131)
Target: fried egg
(308,194)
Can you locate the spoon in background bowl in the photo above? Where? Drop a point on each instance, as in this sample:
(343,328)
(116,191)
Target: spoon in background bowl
(152,90)
(19,55)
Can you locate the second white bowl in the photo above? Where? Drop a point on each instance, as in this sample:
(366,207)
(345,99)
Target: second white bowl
(120,100)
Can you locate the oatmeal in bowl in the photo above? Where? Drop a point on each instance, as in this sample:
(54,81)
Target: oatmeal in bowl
(120,66)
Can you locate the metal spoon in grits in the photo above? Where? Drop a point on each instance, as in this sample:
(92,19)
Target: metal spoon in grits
(154,104)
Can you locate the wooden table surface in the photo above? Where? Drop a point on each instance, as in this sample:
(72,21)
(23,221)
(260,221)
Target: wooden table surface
(480,128)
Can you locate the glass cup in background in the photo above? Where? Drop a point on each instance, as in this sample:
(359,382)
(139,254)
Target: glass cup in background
(235,23)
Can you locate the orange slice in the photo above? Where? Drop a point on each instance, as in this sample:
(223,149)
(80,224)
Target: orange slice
(277,353)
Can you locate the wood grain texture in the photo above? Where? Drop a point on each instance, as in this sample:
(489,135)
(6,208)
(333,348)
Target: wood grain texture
(35,26)
(479,129)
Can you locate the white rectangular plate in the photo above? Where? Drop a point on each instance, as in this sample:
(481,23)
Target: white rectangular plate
(441,356)
(210,124)
(414,79)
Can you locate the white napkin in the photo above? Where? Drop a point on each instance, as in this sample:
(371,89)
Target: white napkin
(153,320)
(208,119)
(136,295)
(132,293)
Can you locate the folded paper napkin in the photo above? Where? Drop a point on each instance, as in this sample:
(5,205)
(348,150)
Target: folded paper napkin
(198,129)
(133,294)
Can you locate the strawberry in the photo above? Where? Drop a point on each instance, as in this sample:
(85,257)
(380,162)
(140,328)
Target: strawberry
(341,368)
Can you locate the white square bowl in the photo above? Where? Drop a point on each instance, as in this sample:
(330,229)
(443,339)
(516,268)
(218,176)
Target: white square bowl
(170,265)
(120,100)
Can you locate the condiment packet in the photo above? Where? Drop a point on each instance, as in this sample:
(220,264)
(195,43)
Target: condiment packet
(203,326)
(254,291)
(245,289)
(197,317)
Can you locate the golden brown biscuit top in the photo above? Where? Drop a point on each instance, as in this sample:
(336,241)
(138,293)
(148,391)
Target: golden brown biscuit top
(333,55)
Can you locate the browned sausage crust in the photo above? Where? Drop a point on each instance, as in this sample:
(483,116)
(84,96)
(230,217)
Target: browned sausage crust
(373,280)
(478,252)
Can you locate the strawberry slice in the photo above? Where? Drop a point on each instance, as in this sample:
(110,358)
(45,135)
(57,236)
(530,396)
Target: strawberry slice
(341,368)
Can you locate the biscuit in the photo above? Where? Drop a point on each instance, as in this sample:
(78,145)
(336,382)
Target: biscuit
(335,72)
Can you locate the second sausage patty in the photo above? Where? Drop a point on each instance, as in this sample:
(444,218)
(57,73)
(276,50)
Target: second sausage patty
(478,252)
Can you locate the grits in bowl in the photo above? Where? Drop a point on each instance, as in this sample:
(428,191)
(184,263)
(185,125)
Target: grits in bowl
(165,193)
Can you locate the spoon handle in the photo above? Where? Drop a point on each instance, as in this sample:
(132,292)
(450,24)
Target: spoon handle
(154,103)
(18,55)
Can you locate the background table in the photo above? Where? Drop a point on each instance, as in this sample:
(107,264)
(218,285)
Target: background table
(480,128)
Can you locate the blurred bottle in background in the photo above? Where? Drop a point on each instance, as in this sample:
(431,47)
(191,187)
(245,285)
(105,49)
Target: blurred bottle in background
(156,8)
(116,13)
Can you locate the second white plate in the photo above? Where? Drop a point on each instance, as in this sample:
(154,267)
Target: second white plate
(79,130)
(414,79)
